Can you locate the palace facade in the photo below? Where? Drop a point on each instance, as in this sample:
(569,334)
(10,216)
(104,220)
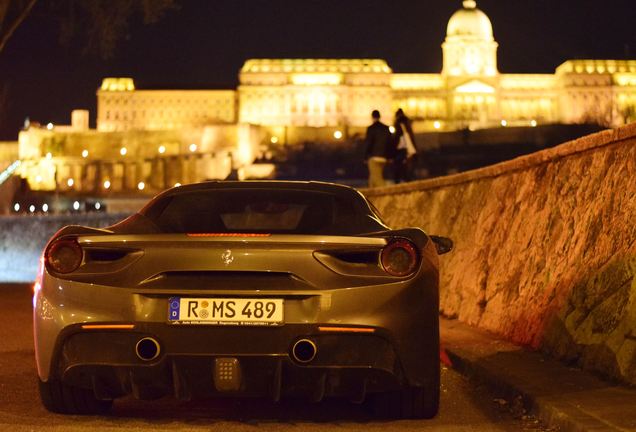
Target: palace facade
(340,93)
(152,139)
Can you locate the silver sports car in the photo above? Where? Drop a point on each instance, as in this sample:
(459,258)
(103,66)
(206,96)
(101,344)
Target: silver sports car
(271,289)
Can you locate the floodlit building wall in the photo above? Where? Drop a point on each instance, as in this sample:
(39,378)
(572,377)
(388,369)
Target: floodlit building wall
(470,92)
(123,109)
(106,162)
(294,101)
(313,92)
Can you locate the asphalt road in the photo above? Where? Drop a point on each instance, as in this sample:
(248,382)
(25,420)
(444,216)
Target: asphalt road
(464,406)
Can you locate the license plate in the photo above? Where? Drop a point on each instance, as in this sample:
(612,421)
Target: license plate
(226,311)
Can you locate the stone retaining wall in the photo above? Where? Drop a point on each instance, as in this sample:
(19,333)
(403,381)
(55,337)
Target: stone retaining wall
(545,247)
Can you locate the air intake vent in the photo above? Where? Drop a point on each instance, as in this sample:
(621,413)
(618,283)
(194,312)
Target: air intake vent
(357,257)
(105,255)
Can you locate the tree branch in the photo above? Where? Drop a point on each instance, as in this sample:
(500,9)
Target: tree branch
(14,25)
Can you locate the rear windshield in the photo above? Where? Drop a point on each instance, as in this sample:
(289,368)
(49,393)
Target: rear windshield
(262,211)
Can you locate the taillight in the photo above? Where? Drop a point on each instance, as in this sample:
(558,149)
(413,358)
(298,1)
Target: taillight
(399,258)
(64,256)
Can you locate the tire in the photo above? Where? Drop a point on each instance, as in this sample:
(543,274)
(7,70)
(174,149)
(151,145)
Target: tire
(408,403)
(64,399)
(414,402)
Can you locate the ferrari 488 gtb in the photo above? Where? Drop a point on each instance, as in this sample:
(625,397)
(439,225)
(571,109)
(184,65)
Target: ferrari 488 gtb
(271,289)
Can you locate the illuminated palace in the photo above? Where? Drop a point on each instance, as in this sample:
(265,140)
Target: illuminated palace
(157,138)
(469,92)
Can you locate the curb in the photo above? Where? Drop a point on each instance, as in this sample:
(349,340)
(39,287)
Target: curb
(550,410)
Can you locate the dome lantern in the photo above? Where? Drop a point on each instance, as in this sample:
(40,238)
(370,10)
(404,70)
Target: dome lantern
(470,47)
(470,22)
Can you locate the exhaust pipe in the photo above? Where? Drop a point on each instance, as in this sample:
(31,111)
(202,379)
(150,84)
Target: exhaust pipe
(147,349)
(304,351)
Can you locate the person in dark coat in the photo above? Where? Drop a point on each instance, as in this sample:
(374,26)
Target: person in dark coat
(378,149)
(406,150)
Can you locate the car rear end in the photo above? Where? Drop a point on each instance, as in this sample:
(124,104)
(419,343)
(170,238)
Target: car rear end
(137,310)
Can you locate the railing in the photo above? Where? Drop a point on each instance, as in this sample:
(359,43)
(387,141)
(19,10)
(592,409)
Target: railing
(4,175)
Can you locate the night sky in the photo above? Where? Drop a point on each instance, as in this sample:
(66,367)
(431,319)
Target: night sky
(204,44)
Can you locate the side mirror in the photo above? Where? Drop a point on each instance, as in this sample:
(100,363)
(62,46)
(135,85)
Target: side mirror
(442,244)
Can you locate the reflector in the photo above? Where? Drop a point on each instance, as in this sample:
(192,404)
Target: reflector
(108,326)
(347,329)
(227,235)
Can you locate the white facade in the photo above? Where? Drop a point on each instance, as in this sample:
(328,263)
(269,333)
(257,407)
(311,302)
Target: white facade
(333,93)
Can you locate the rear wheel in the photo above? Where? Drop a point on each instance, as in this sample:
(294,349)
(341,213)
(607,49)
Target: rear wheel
(408,403)
(415,402)
(64,399)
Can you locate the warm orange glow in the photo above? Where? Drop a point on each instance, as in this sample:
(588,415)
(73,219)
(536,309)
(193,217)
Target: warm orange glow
(475,87)
(316,79)
(347,329)
(227,235)
(108,326)
(118,84)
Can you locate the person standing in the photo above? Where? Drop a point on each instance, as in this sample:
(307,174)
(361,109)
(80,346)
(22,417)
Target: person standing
(406,151)
(378,146)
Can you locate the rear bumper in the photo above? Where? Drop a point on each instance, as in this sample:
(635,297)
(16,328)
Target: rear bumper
(402,350)
(348,365)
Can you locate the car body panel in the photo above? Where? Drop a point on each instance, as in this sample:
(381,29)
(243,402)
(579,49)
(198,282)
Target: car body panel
(331,285)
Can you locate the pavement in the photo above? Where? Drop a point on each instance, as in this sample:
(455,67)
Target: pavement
(562,397)
(522,382)
(466,406)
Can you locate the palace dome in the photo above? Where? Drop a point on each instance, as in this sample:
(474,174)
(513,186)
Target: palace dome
(470,22)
